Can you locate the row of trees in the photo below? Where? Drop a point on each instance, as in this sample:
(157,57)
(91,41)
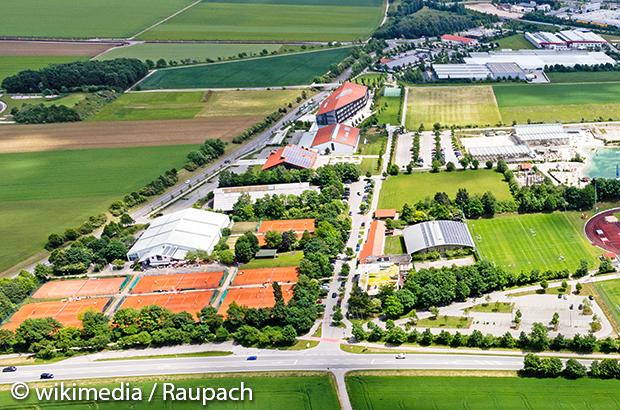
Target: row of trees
(42,114)
(120,73)
(551,367)
(14,291)
(211,149)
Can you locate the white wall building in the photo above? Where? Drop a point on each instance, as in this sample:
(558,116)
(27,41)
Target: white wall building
(225,198)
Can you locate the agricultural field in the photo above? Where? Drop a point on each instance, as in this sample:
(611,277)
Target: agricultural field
(585,77)
(401,189)
(284,70)
(298,391)
(298,20)
(515,42)
(10,65)
(68,100)
(45,192)
(195,104)
(557,102)
(378,392)
(86,19)
(49,48)
(451,105)
(609,294)
(533,241)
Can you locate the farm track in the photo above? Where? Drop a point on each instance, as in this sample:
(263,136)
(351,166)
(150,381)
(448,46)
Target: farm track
(115,134)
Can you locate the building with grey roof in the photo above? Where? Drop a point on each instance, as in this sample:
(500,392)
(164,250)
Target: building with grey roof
(437,236)
(225,198)
(461,71)
(541,134)
(538,59)
(506,71)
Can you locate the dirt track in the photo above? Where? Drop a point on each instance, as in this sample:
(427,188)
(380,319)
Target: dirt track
(46,137)
(45,48)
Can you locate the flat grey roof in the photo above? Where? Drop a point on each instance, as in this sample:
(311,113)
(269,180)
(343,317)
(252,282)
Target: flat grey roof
(431,234)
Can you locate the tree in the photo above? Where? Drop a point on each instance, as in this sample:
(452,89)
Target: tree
(475,164)
(434,312)
(539,337)
(246,247)
(606,266)
(464,161)
(489,203)
(450,166)
(396,336)
(436,165)
(273,239)
(544,285)
(54,241)
(337,317)
(578,287)
(582,270)
(358,332)
(393,307)
(488,164)
(555,321)
(605,369)
(502,167)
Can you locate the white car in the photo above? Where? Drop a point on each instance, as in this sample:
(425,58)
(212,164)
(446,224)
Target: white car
(401,356)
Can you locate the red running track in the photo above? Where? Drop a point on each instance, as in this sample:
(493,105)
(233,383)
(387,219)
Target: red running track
(605,235)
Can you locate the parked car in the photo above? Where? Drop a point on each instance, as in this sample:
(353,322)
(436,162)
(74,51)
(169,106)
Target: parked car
(9,369)
(252,358)
(334,295)
(47,375)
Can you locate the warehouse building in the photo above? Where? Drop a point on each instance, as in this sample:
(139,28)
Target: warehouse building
(541,134)
(452,39)
(291,157)
(437,236)
(169,237)
(225,198)
(342,104)
(479,72)
(544,39)
(565,39)
(538,59)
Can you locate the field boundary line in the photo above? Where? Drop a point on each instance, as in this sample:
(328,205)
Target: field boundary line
(165,19)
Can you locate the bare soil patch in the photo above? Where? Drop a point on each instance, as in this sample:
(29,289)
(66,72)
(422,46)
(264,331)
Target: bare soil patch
(46,137)
(52,48)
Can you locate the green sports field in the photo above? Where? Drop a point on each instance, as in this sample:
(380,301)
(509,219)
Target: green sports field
(401,189)
(451,105)
(10,65)
(388,110)
(515,42)
(275,392)
(533,241)
(180,51)
(609,291)
(195,104)
(45,192)
(268,20)
(472,393)
(86,18)
(290,69)
(584,77)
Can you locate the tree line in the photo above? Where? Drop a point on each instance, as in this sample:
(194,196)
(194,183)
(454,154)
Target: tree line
(551,367)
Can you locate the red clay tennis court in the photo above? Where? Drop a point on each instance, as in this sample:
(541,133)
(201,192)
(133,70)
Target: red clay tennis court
(603,230)
(79,287)
(66,312)
(253,297)
(178,282)
(287,274)
(191,302)
(297,225)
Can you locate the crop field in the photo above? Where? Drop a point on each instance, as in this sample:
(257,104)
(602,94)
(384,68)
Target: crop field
(10,65)
(585,77)
(45,192)
(49,48)
(86,19)
(401,189)
(116,134)
(299,391)
(436,392)
(558,102)
(290,69)
(532,241)
(609,292)
(299,20)
(515,42)
(451,105)
(180,51)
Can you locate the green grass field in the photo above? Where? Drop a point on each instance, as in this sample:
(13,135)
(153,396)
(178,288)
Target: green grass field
(369,165)
(451,105)
(558,102)
(472,393)
(290,69)
(372,143)
(180,51)
(10,65)
(283,259)
(195,104)
(610,293)
(585,77)
(401,189)
(533,241)
(277,391)
(68,100)
(515,42)
(394,245)
(87,18)
(272,21)
(46,192)
(388,110)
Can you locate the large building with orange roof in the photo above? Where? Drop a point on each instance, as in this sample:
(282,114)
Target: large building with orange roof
(333,139)
(342,104)
(375,241)
(291,157)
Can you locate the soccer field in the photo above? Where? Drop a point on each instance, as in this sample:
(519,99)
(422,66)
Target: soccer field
(584,77)
(472,393)
(533,241)
(83,19)
(268,392)
(290,69)
(46,192)
(451,105)
(401,189)
(269,20)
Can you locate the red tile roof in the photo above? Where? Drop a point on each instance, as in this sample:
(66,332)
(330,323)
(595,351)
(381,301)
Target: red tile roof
(340,133)
(385,213)
(610,255)
(293,155)
(342,96)
(374,242)
(457,39)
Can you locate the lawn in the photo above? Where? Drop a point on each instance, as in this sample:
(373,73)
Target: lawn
(369,165)
(268,20)
(181,51)
(585,77)
(609,292)
(283,259)
(86,18)
(290,69)
(10,65)
(495,307)
(558,102)
(68,100)
(401,189)
(195,104)
(451,322)
(452,105)
(312,391)
(388,110)
(46,192)
(515,42)
(394,245)
(532,241)
(435,392)
(372,143)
